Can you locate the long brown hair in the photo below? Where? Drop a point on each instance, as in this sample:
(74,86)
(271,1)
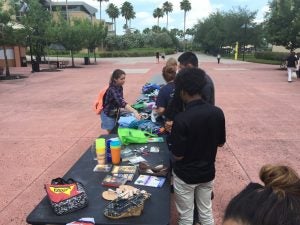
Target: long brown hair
(116,75)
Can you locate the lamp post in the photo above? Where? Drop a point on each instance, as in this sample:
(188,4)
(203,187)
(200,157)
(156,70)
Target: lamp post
(244,42)
(100,1)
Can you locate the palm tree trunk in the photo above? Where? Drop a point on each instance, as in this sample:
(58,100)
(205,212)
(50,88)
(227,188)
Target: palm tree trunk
(167,21)
(184,30)
(7,72)
(95,60)
(115,26)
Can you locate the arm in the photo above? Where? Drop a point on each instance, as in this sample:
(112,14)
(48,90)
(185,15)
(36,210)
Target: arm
(222,138)
(130,109)
(178,140)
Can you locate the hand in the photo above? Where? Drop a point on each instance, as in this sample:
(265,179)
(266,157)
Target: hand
(168,126)
(137,115)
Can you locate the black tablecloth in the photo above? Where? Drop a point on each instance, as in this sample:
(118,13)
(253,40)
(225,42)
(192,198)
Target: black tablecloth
(156,209)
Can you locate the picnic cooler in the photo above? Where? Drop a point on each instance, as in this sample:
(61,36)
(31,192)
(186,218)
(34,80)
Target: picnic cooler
(66,196)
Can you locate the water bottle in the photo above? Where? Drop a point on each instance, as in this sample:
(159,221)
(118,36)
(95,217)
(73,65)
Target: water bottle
(108,152)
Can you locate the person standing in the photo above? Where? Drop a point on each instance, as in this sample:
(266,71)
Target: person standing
(196,134)
(113,101)
(188,60)
(157,57)
(291,63)
(172,62)
(166,93)
(219,58)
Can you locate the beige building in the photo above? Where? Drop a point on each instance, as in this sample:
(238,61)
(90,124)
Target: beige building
(276,48)
(80,10)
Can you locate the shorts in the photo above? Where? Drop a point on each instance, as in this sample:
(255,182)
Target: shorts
(107,123)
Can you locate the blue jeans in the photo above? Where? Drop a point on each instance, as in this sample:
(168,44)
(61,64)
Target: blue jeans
(107,123)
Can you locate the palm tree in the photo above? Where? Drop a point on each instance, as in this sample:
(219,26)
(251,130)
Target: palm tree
(167,8)
(100,1)
(185,5)
(113,12)
(127,12)
(157,13)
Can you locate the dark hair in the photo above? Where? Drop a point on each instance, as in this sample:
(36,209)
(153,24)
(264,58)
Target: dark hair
(116,75)
(168,73)
(275,203)
(191,80)
(188,58)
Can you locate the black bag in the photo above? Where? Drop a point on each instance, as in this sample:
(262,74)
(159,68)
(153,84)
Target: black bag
(66,196)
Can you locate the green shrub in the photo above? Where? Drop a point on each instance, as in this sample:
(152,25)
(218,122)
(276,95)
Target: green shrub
(134,53)
(277,56)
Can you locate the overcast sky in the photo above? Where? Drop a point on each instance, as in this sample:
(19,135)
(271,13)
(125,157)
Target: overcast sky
(200,10)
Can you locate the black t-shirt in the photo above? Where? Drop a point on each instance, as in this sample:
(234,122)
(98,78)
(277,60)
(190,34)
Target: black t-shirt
(176,105)
(291,61)
(196,134)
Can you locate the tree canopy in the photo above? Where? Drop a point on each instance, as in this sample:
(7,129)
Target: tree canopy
(226,28)
(282,23)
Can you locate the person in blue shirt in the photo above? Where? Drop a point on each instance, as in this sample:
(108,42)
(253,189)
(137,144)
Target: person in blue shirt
(166,93)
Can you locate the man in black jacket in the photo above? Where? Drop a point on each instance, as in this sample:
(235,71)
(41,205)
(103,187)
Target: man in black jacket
(188,60)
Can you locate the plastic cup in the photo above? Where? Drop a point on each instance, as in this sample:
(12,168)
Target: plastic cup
(100,146)
(101,159)
(115,154)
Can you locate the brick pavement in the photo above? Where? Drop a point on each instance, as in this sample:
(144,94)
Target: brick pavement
(47,122)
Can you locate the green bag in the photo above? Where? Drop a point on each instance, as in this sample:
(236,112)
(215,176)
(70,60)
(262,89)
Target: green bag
(134,136)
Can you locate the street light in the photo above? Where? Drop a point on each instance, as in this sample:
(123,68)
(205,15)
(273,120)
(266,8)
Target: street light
(244,42)
(101,7)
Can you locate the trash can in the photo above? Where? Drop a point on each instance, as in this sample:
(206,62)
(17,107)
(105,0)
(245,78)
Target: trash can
(23,61)
(86,60)
(35,66)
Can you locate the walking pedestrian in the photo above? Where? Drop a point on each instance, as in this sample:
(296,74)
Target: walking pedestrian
(291,63)
(157,57)
(219,58)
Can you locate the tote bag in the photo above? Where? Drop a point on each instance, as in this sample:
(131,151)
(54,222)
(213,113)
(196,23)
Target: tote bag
(133,136)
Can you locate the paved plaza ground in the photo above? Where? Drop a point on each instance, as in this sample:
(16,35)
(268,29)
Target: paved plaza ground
(47,122)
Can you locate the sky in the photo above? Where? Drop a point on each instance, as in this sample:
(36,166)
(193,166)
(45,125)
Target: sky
(200,10)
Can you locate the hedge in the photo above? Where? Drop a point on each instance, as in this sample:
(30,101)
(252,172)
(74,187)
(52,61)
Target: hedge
(278,56)
(130,53)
